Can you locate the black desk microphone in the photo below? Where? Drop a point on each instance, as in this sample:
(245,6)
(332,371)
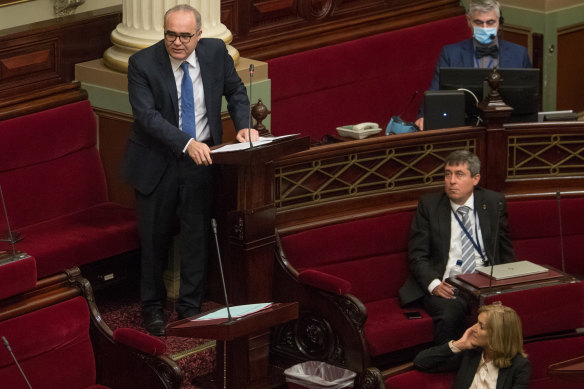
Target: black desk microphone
(559,197)
(496,240)
(251,70)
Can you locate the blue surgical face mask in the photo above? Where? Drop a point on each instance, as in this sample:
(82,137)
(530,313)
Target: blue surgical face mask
(483,35)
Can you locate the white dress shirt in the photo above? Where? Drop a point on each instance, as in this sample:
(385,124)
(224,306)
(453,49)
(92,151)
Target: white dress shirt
(455,252)
(201,122)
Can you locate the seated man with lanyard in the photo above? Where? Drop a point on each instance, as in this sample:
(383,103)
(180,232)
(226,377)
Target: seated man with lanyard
(483,50)
(464,222)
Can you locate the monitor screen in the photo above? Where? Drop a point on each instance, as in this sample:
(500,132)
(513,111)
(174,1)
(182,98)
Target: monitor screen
(519,89)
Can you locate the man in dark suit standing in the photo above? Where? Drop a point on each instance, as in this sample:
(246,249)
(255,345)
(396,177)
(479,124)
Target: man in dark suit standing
(176,88)
(483,50)
(440,236)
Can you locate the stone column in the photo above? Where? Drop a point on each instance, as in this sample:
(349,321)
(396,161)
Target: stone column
(142,26)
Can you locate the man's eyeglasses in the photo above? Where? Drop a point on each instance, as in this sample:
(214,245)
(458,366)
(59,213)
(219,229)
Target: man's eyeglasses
(171,36)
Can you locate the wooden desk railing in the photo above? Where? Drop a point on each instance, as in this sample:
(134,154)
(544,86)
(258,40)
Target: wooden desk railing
(336,182)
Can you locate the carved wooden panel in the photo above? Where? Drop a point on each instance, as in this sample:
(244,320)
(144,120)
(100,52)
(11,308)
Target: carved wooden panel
(39,55)
(34,64)
(265,29)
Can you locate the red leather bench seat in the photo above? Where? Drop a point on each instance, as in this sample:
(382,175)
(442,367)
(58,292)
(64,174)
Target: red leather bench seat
(55,190)
(370,256)
(61,358)
(364,80)
(538,235)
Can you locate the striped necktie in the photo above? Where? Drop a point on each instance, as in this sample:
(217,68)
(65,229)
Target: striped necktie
(468,258)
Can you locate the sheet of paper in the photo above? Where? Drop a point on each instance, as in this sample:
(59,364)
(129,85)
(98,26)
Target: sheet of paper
(236,311)
(245,145)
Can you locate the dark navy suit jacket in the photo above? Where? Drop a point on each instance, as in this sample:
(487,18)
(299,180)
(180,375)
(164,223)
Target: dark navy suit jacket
(461,55)
(155,136)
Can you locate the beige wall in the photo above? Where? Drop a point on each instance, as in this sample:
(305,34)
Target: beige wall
(541,5)
(38,10)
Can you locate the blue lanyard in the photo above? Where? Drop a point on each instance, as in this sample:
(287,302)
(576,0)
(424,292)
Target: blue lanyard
(488,66)
(477,244)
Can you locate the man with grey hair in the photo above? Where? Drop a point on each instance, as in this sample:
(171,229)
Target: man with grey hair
(176,88)
(461,224)
(483,50)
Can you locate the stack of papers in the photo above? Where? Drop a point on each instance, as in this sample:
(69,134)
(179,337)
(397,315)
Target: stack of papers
(245,145)
(236,311)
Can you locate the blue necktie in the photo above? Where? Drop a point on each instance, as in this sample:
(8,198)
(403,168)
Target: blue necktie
(468,258)
(187,103)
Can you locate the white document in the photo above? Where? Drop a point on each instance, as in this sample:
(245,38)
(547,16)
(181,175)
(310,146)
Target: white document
(236,311)
(245,145)
(512,269)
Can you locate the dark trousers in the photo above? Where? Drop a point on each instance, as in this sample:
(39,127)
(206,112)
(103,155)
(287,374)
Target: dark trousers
(449,316)
(185,190)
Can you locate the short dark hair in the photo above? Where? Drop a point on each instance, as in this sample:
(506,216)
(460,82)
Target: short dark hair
(464,156)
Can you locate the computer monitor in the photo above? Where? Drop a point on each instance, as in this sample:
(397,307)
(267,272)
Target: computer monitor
(519,89)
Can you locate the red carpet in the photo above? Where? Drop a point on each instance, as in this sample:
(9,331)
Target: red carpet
(121,308)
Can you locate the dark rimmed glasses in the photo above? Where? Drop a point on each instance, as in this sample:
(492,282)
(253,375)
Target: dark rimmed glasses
(184,37)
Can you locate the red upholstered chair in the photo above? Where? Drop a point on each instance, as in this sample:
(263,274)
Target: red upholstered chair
(56,194)
(346,278)
(405,377)
(547,242)
(56,334)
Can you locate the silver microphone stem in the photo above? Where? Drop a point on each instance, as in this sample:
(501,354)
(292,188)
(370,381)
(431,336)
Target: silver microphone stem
(15,360)
(214,226)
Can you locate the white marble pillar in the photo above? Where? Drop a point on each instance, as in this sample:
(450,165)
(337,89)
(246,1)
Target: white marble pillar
(142,26)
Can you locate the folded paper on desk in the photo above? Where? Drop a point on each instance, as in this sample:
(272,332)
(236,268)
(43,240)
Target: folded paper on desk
(512,269)
(245,145)
(236,311)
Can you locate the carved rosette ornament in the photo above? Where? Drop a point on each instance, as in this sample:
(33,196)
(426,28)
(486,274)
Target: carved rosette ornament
(371,379)
(310,337)
(351,310)
(66,7)
(315,9)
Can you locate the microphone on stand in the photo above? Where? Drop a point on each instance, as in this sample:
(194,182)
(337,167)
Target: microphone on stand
(214,226)
(15,360)
(251,70)
(558,196)
(496,240)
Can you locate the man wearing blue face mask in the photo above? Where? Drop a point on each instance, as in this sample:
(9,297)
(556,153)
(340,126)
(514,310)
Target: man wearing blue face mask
(484,49)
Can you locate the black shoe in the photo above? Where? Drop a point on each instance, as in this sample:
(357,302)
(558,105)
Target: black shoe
(183,313)
(154,322)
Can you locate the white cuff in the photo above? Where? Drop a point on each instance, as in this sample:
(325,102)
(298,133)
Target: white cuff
(453,348)
(433,285)
(187,145)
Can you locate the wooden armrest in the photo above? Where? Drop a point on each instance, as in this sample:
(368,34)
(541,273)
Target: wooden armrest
(399,369)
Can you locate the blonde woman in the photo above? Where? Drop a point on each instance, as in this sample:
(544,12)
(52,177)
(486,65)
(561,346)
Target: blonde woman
(489,354)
